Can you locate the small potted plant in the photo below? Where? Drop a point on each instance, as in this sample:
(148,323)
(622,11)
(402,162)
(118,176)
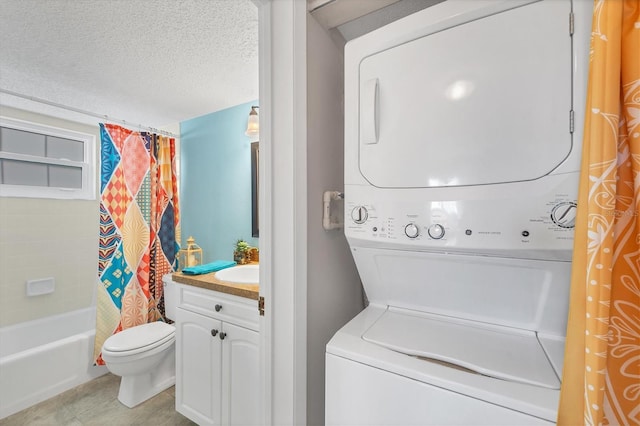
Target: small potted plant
(241,252)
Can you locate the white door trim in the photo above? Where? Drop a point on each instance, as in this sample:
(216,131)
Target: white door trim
(283,210)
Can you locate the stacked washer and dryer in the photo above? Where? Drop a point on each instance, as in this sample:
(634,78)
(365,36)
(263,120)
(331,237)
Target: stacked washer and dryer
(463,128)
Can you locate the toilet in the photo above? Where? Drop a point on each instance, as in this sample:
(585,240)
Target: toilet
(144,356)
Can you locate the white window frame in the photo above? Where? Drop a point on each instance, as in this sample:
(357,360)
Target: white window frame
(88,165)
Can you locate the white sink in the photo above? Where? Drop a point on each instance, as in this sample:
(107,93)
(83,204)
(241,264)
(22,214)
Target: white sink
(244,274)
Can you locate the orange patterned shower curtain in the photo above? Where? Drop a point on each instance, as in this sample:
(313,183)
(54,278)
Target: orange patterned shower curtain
(601,379)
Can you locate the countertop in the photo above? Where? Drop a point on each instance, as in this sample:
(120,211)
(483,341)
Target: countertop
(210,282)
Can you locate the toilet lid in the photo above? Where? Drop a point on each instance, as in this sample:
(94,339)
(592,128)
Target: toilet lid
(143,336)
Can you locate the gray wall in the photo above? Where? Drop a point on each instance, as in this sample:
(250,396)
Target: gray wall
(334,294)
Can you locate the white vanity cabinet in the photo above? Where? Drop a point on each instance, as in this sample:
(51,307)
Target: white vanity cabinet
(217,379)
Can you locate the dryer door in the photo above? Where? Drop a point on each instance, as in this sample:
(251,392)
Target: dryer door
(487,101)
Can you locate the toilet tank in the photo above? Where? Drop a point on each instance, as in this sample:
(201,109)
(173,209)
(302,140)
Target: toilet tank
(171,295)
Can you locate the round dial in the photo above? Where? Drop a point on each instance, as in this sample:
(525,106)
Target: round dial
(436,231)
(564,214)
(359,214)
(411,230)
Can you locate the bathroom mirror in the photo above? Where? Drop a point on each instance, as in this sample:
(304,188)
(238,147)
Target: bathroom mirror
(255,187)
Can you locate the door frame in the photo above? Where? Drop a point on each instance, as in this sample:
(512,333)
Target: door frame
(283,210)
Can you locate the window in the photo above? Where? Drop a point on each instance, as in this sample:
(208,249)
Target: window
(39,161)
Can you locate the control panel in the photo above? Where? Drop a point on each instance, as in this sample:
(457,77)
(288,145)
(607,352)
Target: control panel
(530,226)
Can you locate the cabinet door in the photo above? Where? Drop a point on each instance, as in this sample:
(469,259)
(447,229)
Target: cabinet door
(240,378)
(198,367)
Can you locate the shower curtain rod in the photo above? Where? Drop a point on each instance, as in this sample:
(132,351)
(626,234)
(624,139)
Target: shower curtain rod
(89,113)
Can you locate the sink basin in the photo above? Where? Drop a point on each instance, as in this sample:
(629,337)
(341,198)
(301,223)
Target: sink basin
(244,274)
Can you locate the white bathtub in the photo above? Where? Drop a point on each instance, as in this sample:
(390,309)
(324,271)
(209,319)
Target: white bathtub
(44,357)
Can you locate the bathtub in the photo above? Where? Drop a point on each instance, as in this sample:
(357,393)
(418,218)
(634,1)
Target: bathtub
(45,357)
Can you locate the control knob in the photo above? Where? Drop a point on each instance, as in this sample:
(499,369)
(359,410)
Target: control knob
(359,215)
(411,230)
(436,231)
(564,214)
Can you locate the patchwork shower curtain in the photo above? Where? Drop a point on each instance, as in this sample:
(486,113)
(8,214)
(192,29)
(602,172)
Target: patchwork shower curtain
(138,228)
(601,379)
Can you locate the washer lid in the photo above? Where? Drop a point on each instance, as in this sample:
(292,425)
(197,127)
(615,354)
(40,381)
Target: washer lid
(500,352)
(142,336)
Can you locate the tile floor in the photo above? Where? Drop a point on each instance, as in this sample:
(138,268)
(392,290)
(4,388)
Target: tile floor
(96,403)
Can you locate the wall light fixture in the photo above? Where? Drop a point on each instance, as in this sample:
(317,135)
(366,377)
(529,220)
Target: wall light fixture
(253,125)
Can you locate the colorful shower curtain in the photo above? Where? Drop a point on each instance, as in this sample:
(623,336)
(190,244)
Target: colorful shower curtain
(138,229)
(601,379)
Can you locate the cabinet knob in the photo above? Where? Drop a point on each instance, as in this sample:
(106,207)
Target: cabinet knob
(223,335)
(214,332)
(218,308)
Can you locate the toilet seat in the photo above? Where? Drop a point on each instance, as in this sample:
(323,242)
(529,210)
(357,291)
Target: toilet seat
(142,338)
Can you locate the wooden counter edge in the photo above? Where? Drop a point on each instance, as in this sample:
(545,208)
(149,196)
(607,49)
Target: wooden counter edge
(210,282)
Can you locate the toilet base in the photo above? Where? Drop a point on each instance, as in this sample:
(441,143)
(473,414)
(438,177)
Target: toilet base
(135,390)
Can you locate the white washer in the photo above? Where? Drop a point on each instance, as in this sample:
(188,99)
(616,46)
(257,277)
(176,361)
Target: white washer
(462,154)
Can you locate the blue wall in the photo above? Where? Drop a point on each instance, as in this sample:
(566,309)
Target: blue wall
(215,181)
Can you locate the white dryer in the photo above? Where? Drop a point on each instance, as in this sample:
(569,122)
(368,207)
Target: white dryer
(462,154)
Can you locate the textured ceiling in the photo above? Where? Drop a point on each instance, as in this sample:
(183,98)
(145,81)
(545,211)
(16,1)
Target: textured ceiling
(149,62)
